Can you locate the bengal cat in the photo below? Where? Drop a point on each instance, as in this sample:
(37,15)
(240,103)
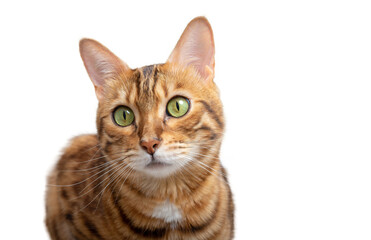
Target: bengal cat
(152,171)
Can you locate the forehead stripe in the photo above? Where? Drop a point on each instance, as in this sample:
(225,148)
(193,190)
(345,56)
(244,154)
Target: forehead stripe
(147,71)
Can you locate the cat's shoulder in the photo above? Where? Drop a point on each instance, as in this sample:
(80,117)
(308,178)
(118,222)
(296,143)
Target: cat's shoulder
(78,150)
(81,145)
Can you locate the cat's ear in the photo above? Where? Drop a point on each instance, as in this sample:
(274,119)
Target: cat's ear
(196,48)
(100,63)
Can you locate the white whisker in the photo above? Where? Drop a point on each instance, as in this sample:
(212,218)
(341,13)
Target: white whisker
(118,165)
(119,175)
(74,184)
(101,191)
(130,171)
(199,164)
(99,149)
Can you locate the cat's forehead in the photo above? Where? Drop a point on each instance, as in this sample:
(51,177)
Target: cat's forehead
(151,86)
(146,82)
(147,91)
(143,88)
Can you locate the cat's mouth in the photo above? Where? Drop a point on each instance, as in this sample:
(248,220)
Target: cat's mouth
(157,164)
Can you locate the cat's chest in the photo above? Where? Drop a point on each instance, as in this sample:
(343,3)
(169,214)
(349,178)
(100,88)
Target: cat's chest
(168,212)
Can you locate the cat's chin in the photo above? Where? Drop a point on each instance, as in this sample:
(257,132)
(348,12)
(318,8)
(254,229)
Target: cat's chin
(159,169)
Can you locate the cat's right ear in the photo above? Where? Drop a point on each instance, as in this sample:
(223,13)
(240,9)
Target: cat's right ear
(196,48)
(100,63)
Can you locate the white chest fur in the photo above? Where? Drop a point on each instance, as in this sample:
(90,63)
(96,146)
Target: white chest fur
(168,212)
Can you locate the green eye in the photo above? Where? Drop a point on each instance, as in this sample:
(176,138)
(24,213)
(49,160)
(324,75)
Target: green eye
(123,116)
(177,107)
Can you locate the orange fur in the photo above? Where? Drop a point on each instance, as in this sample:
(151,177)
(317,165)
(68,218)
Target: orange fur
(98,190)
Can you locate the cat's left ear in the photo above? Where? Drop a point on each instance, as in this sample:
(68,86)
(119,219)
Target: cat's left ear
(196,48)
(100,63)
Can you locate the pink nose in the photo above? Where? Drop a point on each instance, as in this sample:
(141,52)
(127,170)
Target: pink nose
(151,145)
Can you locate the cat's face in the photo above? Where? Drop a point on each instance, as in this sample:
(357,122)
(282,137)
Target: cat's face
(156,141)
(159,118)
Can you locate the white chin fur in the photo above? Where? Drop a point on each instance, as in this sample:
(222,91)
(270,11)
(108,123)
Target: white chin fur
(172,163)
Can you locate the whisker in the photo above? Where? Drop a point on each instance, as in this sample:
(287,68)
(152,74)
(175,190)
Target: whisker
(208,157)
(130,171)
(122,172)
(99,192)
(99,149)
(74,184)
(121,176)
(92,148)
(85,169)
(182,167)
(220,172)
(205,156)
(105,155)
(115,167)
(198,162)
(99,166)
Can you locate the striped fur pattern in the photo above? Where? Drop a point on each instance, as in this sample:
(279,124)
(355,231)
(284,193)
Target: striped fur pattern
(101,188)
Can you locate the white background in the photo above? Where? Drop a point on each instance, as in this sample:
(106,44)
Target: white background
(295,80)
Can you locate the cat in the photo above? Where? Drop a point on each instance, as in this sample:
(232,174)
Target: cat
(152,171)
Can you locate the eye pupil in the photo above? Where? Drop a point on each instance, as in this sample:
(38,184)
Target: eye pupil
(124,115)
(177,105)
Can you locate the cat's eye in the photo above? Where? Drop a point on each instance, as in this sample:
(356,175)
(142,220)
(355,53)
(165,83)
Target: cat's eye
(177,106)
(123,116)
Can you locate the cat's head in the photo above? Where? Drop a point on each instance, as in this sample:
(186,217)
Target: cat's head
(158,119)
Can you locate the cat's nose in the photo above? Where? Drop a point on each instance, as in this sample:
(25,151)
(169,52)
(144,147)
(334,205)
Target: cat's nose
(151,145)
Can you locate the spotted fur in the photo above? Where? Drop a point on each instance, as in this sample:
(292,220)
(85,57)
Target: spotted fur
(100,187)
